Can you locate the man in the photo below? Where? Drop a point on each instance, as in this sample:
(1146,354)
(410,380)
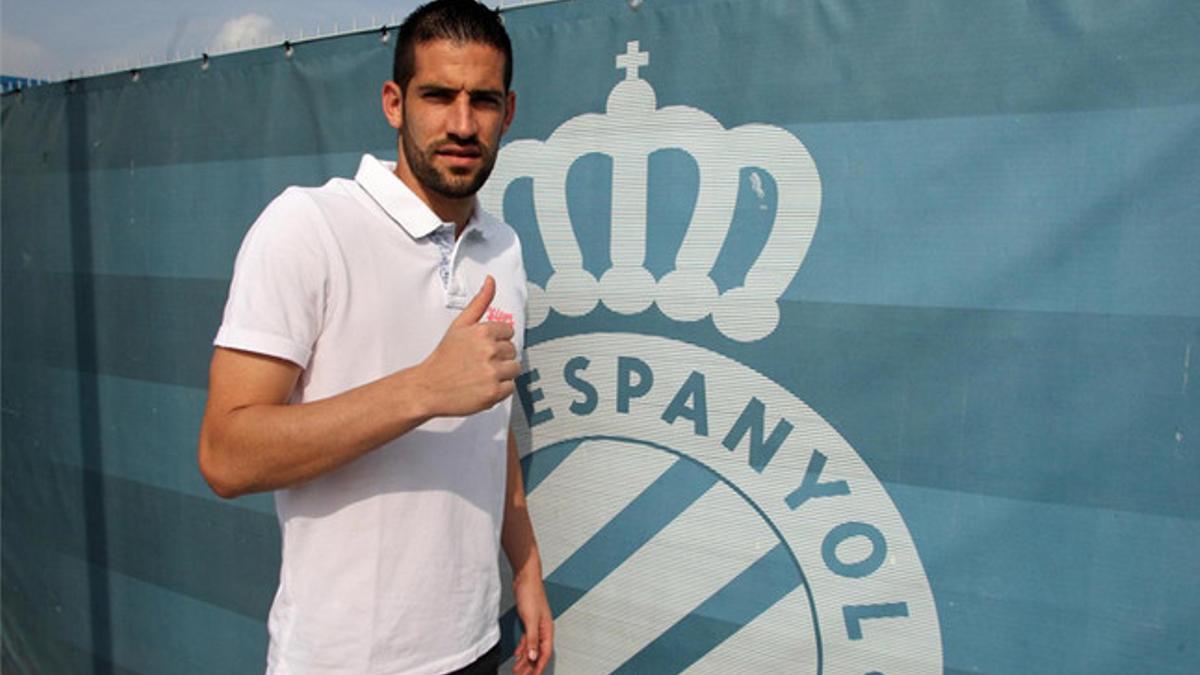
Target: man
(363,371)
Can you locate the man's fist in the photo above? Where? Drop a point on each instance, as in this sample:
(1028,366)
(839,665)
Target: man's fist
(474,365)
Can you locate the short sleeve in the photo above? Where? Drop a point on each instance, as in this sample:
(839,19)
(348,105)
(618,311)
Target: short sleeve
(277,297)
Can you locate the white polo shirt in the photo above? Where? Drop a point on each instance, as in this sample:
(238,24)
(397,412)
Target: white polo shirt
(390,563)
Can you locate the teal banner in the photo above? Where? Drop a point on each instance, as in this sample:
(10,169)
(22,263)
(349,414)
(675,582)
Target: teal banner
(862,339)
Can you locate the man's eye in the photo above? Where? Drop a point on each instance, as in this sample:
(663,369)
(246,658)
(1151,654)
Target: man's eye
(438,96)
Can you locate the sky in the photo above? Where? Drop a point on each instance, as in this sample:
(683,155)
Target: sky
(54,39)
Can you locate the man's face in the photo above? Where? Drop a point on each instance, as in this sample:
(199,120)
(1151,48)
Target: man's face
(452,115)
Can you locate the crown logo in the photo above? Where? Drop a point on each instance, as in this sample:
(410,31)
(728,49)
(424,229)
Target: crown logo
(631,129)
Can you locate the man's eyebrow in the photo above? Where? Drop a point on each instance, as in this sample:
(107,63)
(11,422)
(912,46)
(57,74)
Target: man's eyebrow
(441,89)
(435,89)
(489,93)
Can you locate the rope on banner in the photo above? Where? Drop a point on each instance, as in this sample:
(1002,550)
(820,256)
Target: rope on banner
(289,46)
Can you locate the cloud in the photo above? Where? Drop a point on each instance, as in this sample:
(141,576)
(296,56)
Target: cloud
(248,30)
(22,57)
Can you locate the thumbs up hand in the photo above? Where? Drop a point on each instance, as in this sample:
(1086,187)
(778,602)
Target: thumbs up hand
(474,365)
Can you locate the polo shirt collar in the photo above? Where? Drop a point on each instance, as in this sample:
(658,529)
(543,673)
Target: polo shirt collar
(403,206)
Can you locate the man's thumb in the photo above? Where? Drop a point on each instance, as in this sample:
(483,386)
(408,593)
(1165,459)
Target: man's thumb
(474,310)
(531,642)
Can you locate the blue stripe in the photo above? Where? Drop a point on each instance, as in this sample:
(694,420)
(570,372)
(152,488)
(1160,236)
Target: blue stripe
(651,511)
(536,466)
(725,612)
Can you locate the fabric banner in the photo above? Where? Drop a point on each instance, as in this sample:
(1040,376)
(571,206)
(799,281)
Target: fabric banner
(863,339)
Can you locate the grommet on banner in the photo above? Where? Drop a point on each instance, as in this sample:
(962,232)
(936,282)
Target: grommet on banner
(204,61)
(384,35)
(635,4)
(288,49)
(135,75)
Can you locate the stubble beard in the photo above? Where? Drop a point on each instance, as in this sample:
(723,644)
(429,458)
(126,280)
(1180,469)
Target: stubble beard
(451,186)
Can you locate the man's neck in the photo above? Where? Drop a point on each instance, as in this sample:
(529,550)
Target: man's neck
(457,211)
(450,210)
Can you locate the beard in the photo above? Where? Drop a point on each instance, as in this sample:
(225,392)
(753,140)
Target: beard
(450,184)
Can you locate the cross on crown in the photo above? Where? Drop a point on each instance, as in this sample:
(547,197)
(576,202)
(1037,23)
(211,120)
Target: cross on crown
(632,59)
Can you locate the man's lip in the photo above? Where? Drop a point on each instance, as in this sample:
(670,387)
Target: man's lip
(460,158)
(467,153)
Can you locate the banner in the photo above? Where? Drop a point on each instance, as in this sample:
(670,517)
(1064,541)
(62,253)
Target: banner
(862,339)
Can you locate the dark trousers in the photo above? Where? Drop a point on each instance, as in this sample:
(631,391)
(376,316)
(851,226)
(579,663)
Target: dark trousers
(488,664)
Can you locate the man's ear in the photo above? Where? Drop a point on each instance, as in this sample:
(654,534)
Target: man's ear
(392,99)
(510,109)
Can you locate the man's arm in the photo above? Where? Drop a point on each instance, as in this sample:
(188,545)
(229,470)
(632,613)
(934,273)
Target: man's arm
(537,644)
(252,440)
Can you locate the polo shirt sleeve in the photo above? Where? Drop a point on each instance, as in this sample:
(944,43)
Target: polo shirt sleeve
(277,297)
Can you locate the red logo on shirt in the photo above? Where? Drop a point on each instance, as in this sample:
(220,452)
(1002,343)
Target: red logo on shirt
(498,315)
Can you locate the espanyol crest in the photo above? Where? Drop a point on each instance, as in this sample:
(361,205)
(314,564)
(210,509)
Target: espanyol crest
(694,515)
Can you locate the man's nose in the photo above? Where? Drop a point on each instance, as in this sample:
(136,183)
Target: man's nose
(461,119)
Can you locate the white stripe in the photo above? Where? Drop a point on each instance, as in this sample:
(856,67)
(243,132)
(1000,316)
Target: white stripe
(697,554)
(780,640)
(582,495)
(586,491)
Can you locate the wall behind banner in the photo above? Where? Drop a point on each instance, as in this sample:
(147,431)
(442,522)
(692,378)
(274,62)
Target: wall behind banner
(999,310)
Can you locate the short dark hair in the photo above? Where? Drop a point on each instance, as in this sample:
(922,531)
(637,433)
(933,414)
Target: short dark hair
(458,20)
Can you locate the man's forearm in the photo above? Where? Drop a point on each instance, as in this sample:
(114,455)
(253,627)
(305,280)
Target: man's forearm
(517,538)
(253,440)
(267,446)
(537,644)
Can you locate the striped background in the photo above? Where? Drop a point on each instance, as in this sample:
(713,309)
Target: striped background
(661,568)
(999,312)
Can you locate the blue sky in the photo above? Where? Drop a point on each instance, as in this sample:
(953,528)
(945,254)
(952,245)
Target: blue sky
(49,39)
